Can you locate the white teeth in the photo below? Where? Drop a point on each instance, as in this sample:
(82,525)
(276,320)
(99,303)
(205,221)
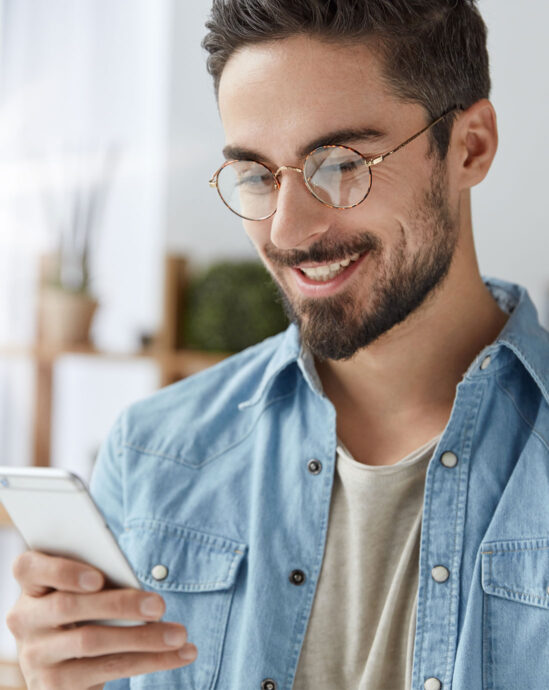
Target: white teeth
(328,271)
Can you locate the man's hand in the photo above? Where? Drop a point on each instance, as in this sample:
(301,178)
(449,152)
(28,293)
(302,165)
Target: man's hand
(55,652)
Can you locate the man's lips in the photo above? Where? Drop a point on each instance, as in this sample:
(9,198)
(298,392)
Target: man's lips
(319,264)
(327,284)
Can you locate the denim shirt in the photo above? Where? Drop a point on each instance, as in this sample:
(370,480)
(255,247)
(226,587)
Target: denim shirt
(225,478)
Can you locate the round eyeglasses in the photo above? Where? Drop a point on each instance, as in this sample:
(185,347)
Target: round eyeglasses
(336,175)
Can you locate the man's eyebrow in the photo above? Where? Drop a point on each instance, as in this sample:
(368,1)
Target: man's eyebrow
(337,137)
(242,154)
(342,136)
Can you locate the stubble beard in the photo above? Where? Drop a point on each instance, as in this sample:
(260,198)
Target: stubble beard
(337,327)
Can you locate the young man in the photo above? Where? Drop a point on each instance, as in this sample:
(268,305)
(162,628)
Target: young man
(360,502)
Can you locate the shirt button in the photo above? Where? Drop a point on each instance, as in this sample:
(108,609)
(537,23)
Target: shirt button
(440,574)
(159,572)
(449,459)
(432,684)
(314,466)
(297,577)
(268,684)
(485,363)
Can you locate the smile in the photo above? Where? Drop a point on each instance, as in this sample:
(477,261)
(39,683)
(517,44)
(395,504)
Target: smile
(328,272)
(325,280)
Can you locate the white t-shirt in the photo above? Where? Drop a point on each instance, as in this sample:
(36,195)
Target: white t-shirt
(362,626)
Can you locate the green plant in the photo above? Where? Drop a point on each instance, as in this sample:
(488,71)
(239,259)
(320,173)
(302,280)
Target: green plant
(230,306)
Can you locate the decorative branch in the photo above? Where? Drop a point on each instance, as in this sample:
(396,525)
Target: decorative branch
(85,205)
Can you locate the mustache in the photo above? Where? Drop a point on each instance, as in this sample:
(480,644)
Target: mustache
(323,251)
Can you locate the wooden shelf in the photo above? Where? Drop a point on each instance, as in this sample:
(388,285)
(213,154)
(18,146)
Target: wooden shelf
(192,359)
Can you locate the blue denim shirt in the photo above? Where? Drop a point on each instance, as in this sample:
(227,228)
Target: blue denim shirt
(212,477)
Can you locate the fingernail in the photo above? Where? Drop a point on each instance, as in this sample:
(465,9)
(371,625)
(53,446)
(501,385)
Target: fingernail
(90,581)
(188,653)
(151,606)
(175,638)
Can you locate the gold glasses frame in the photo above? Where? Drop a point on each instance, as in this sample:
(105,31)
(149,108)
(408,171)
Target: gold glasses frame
(368,162)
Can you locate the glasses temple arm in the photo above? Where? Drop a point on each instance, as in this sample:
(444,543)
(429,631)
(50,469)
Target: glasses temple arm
(382,157)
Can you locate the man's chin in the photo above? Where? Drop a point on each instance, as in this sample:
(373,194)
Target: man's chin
(338,327)
(326,326)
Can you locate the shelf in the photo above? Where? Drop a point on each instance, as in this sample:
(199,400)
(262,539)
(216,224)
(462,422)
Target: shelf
(173,364)
(188,362)
(192,359)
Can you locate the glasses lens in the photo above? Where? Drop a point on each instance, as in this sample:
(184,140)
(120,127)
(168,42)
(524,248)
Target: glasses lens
(337,176)
(248,188)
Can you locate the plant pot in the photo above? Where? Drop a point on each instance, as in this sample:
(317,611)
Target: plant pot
(65,317)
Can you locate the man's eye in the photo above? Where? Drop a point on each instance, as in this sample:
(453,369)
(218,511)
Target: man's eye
(345,167)
(350,166)
(252,180)
(255,183)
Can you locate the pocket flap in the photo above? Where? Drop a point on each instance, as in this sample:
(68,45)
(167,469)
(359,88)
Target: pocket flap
(193,561)
(517,570)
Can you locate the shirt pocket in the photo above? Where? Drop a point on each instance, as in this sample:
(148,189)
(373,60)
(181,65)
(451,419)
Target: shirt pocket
(198,573)
(515,580)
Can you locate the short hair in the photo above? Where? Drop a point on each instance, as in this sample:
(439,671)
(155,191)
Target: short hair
(433,52)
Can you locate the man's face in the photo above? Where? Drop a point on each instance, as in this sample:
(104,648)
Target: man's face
(394,248)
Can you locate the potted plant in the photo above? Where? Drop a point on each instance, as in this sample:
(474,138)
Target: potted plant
(66,302)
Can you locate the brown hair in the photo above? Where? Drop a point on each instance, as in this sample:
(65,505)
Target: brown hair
(433,51)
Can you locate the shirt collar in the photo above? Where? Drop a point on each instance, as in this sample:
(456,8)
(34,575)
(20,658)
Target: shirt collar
(287,352)
(522,334)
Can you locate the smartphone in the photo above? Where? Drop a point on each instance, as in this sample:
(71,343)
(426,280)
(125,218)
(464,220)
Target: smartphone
(54,512)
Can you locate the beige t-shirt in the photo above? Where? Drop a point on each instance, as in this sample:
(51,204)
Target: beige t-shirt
(362,626)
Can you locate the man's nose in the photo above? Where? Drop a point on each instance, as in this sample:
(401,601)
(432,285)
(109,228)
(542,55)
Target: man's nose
(299,218)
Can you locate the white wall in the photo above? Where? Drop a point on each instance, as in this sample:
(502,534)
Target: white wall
(198,224)
(509,206)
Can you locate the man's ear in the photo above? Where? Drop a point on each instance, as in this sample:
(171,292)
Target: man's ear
(474,143)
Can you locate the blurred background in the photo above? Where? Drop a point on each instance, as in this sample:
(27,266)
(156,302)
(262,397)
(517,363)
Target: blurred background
(110,235)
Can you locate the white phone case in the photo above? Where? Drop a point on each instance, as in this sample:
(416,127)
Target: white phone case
(55,514)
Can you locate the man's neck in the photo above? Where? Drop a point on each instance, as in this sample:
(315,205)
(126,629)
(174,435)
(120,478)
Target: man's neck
(397,393)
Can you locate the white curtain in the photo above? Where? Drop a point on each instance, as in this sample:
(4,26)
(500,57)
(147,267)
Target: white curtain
(77,80)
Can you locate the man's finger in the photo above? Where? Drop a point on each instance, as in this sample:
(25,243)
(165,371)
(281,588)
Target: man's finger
(58,609)
(38,574)
(105,668)
(96,640)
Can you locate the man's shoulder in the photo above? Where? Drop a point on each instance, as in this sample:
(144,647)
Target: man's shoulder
(205,404)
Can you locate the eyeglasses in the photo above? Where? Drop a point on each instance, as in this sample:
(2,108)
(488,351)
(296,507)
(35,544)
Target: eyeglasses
(338,176)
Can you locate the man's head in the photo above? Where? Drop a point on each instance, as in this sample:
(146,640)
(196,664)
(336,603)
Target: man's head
(293,75)
(433,51)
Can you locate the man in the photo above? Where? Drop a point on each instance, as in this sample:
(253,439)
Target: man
(360,502)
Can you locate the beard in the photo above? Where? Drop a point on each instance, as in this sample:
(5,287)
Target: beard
(337,327)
